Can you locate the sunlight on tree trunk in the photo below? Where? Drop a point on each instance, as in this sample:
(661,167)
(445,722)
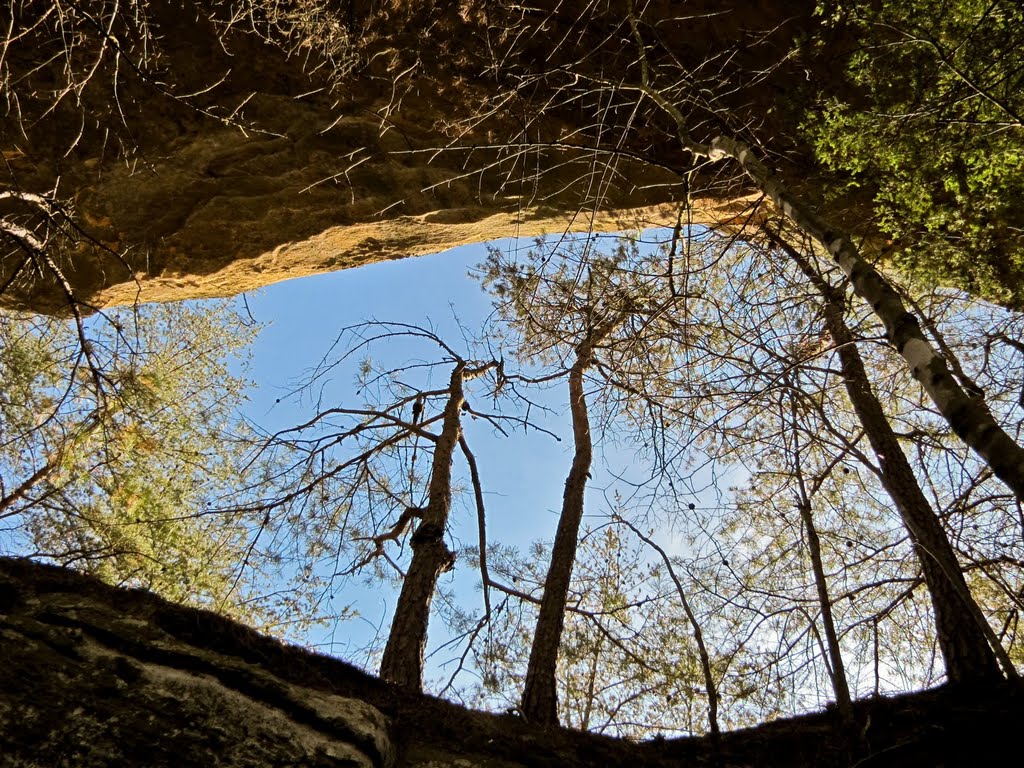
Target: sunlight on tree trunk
(540,698)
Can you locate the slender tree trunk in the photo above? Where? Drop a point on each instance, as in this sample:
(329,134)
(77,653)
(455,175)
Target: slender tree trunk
(837,671)
(540,695)
(967,643)
(402,662)
(595,664)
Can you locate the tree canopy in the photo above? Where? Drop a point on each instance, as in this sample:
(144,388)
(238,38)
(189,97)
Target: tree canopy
(817,391)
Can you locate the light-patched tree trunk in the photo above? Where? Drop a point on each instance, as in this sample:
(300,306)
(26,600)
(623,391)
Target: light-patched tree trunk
(968,416)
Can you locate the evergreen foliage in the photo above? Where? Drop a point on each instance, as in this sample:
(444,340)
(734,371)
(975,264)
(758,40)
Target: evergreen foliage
(931,127)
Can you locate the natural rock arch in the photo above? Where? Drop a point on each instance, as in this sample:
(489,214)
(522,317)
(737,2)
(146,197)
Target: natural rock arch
(227,162)
(223,162)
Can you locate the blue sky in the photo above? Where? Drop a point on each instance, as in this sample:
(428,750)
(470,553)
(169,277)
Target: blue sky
(303,319)
(523,478)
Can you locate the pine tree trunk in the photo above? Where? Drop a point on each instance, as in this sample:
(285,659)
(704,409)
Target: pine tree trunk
(402,662)
(540,695)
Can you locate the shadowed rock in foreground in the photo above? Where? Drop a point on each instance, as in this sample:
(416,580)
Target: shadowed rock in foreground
(98,676)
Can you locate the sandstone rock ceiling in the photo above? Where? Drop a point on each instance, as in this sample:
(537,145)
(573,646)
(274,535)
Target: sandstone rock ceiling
(192,154)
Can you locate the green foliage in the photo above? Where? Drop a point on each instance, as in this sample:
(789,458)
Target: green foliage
(932,130)
(121,445)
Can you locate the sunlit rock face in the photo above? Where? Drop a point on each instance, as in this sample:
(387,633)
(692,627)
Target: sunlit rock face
(204,154)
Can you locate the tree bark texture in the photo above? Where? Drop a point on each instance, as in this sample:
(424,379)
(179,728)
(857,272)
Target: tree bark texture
(402,662)
(959,623)
(540,694)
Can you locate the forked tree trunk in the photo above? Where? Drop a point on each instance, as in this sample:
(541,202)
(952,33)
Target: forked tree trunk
(402,662)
